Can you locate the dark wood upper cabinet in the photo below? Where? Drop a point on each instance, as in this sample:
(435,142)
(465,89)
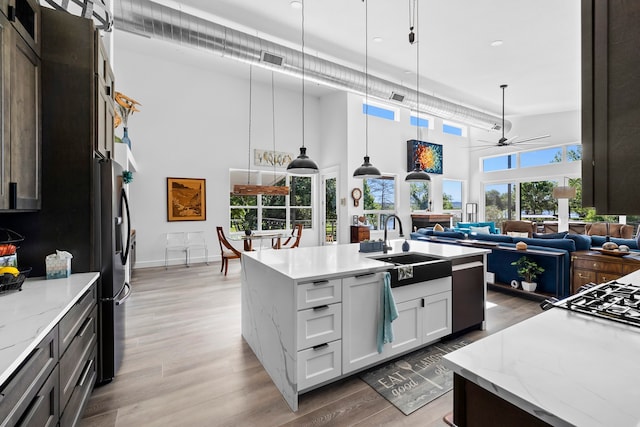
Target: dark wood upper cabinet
(20,69)
(610,107)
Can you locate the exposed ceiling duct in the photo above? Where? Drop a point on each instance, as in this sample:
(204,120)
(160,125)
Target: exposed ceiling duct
(151,19)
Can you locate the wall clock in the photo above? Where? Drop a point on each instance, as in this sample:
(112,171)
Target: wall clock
(356,193)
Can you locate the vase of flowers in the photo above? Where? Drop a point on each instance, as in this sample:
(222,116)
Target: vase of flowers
(125,107)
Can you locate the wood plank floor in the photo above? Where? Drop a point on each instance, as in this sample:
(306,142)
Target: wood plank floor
(186,363)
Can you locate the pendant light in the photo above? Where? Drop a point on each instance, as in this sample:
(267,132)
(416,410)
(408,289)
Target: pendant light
(249,189)
(367,170)
(303,164)
(417,174)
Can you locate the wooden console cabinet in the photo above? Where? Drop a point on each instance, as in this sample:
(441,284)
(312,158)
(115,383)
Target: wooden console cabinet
(358,233)
(591,266)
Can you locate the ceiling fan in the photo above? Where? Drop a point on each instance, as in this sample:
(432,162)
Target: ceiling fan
(514,139)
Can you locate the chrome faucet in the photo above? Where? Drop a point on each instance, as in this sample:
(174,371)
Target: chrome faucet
(386,221)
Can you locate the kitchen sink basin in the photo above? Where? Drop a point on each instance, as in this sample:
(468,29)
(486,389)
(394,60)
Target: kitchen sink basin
(406,259)
(411,268)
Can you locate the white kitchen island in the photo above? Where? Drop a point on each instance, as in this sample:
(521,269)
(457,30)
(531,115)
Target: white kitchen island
(560,367)
(311,314)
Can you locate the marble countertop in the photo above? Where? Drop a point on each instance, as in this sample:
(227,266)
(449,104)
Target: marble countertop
(325,261)
(566,368)
(27,316)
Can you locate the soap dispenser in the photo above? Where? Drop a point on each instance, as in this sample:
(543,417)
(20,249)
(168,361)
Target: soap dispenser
(405,246)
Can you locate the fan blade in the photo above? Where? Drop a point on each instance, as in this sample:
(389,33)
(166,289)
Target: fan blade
(531,139)
(509,141)
(484,140)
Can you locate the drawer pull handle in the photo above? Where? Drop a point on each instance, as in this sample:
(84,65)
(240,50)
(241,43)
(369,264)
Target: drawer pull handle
(320,347)
(85,326)
(358,276)
(320,282)
(85,373)
(321,307)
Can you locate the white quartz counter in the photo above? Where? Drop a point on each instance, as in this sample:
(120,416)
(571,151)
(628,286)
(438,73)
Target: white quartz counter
(564,367)
(330,260)
(27,316)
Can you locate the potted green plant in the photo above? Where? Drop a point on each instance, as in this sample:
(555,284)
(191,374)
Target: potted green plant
(528,270)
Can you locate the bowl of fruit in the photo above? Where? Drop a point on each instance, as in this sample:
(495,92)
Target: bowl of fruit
(11,279)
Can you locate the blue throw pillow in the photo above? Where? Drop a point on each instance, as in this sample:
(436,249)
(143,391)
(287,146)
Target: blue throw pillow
(582,241)
(560,235)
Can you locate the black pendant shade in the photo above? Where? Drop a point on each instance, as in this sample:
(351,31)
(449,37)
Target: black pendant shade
(367,170)
(417,174)
(303,164)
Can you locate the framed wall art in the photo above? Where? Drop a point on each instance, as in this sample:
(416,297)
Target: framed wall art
(186,199)
(428,154)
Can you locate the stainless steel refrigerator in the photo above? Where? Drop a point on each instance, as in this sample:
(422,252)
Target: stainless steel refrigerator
(115,229)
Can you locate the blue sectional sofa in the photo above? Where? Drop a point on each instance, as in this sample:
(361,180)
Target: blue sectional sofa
(551,251)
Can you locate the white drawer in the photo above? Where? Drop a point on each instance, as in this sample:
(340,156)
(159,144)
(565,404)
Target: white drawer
(319,364)
(322,292)
(319,325)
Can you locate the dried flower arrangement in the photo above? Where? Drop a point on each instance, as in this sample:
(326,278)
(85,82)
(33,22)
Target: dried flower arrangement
(125,107)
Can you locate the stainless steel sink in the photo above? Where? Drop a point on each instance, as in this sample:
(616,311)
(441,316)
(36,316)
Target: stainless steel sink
(413,268)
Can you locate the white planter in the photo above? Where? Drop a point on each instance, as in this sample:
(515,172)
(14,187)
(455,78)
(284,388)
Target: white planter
(529,286)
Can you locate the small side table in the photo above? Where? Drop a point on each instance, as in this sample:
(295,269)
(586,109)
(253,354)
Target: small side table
(359,233)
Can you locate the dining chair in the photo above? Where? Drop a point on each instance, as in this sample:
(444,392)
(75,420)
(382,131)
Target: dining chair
(175,242)
(294,239)
(197,242)
(227,251)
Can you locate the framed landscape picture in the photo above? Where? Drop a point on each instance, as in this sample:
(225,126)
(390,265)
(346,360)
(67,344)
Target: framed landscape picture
(186,199)
(428,154)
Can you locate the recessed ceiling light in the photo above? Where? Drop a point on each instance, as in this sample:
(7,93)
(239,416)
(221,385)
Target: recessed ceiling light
(377,39)
(295,4)
(496,43)
(408,71)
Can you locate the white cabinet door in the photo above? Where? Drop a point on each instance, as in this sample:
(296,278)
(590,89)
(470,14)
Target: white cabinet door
(407,328)
(361,308)
(436,316)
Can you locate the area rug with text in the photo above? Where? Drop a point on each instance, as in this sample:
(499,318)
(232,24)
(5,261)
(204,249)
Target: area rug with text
(415,379)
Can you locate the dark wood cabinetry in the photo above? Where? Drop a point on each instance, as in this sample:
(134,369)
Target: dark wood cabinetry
(20,187)
(468,293)
(610,93)
(594,267)
(78,74)
(358,233)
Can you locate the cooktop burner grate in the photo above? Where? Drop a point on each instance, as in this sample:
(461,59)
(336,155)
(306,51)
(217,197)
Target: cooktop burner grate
(613,300)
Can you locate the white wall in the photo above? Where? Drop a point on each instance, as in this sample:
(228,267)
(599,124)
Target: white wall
(194,124)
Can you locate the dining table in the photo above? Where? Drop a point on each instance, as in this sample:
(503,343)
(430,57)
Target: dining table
(274,236)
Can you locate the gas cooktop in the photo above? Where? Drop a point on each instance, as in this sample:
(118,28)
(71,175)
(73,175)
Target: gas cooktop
(612,300)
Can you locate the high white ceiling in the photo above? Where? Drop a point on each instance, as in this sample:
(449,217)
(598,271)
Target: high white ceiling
(539,58)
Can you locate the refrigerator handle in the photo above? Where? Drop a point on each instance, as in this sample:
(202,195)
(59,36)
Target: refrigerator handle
(124,201)
(120,301)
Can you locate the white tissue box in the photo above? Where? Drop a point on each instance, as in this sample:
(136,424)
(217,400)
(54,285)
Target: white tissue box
(58,267)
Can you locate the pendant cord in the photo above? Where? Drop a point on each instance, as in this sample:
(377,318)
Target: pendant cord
(302,72)
(273,126)
(250,98)
(366,75)
(415,10)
